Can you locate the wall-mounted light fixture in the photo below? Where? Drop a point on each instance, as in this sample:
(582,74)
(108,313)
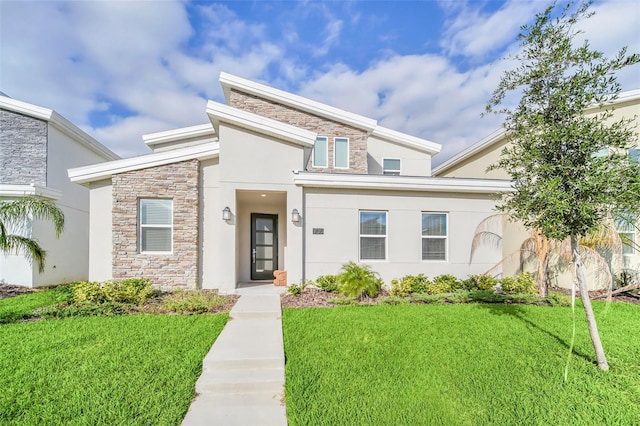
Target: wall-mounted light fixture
(295,216)
(226,214)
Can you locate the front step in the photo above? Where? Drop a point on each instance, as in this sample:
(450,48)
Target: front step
(242,380)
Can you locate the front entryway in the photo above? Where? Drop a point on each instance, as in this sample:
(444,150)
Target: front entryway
(264,246)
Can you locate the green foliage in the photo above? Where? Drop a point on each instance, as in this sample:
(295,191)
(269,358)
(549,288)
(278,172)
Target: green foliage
(394,300)
(445,283)
(358,281)
(85,309)
(20,307)
(194,301)
(410,284)
(523,283)
(343,301)
(129,291)
(328,283)
(480,282)
(558,299)
(427,298)
(627,277)
(297,288)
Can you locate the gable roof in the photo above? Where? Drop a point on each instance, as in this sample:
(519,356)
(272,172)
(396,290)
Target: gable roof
(200,133)
(59,122)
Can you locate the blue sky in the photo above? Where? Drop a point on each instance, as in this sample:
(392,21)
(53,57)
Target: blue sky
(123,69)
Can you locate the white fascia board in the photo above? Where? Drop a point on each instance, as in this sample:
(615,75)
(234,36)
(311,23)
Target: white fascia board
(223,113)
(202,131)
(229,81)
(59,122)
(628,96)
(402,183)
(18,191)
(484,143)
(400,138)
(101,171)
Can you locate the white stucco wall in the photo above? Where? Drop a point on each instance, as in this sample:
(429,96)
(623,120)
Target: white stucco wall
(15,269)
(100,242)
(210,224)
(337,212)
(413,162)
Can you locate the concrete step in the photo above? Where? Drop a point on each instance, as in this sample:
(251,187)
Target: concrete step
(257,307)
(226,381)
(255,409)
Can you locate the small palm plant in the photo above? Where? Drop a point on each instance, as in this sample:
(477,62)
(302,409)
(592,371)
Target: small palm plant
(358,281)
(13,215)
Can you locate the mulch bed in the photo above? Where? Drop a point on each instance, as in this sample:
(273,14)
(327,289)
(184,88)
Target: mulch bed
(8,290)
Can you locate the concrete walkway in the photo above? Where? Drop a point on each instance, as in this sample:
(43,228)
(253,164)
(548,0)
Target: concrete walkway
(242,381)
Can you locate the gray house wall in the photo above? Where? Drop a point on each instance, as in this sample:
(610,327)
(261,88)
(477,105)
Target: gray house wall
(23,149)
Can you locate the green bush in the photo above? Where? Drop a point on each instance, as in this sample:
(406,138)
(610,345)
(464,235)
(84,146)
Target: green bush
(129,291)
(558,299)
(480,282)
(84,309)
(358,281)
(444,284)
(87,292)
(522,284)
(193,301)
(394,300)
(342,301)
(432,299)
(297,288)
(327,283)
(410,284)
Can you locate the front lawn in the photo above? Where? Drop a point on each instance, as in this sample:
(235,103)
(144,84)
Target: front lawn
(133,370)
(459,365)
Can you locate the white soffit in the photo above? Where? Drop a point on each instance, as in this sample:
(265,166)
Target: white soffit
(402,183)
(487,142)
(407,140)
(18,191)
(223,113)
(229,81)
(106,170)
(200,132)
(59,122)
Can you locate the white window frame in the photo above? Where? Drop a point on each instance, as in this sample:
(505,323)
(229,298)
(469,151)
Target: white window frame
(335,166)
(385,236)
(437,237)
(141,226)
(392,172)
(630,230)
(326,153)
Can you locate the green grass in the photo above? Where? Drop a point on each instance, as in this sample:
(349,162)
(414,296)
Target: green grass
(122,370)
(16,308)
(459,365)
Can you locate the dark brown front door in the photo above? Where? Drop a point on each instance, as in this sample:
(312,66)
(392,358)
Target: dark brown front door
(264,246)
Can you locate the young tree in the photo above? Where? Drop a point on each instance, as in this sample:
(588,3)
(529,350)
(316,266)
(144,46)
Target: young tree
(564,186)
(14,213)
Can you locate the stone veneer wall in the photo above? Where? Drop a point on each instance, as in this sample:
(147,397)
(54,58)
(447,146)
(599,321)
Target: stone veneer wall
(179,182)
(23,149)
(322,126)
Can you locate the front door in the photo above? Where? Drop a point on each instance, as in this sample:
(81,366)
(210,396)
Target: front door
(264,246)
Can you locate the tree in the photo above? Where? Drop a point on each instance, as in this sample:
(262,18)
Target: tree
(563,185)
(13,214)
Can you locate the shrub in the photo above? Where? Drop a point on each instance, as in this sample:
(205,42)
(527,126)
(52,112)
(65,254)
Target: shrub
(327,283)
(87,292)
(358,281)
(297,288)
(394,300)
(410,284)
(129,291)
(558,299)
(480,282)
(433,299)
(445,284)
(522,284)
(342,301)
(193,301)
(84,309)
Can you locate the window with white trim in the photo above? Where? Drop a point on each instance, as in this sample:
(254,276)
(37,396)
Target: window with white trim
(373,235)
(434,236)
(627,231)
(321,152)
(156,225)
(634,155)
(391,166)
(341,153)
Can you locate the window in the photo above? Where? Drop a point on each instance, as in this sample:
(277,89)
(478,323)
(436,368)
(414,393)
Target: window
(320,152)
(634,155)
(341,153)
(373,235)
(627,230)
(434,236)
(391,166)
(156,225)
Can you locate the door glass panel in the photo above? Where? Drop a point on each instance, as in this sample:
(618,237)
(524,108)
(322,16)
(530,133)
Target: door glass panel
(263,224)
(264,252)
(264,238)
(264,265)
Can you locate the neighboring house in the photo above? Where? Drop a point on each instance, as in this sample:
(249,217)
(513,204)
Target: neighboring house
(276,181)
(474,161)
(37,146)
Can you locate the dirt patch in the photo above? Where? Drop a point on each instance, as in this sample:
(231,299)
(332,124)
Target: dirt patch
(8,290)
(631,296)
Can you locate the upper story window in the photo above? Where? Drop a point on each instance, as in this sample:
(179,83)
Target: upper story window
(373,235)
(434,236)
(321,152)
(391,166)
(156,225)
(341,153)
(634,155)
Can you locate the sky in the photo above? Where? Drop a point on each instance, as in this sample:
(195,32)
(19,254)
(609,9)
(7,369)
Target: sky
(122,69)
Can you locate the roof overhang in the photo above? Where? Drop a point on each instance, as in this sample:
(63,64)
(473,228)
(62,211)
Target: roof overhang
(402,183)
(229,82)
(204,132)
(103,171)
(485,143)
(18,191)
(409,141)
(60,123)
(220,113)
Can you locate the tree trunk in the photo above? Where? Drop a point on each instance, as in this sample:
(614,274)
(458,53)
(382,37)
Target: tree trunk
(542,247)
(586,301)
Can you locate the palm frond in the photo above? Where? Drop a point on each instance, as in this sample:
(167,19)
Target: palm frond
(30,249)
(14,212)
(488,233)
